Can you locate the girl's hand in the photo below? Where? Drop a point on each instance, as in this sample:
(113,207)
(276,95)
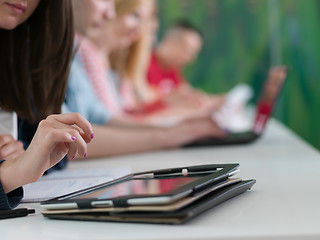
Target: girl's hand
(56,136)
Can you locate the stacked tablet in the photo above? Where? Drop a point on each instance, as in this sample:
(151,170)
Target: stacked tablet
(168,196)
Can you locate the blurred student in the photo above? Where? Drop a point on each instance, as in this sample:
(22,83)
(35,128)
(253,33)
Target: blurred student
(114,136)
(34,63)
(127,52)
(179,47)
(89,17)
(125,55)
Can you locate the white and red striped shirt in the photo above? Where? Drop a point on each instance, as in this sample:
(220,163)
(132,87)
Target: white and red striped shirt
(96,67)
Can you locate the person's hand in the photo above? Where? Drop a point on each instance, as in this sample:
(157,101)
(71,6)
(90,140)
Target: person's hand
(56,136)
(197,105)
(195,99)
(217,101)
(194,129)
(9,147)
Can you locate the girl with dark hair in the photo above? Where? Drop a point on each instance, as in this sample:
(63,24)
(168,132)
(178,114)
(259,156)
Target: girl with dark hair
(36,41)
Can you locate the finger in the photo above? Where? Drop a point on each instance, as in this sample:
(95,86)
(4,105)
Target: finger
(14,155)
(82,133)
(9,149)
(78,145)
(71,137)
(5,139)
(85,138)
(72,153)
(75,119)
(54,136)
(62,126)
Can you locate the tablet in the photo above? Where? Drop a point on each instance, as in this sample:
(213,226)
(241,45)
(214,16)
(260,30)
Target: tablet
(147,208)
(156,214)
(159,187)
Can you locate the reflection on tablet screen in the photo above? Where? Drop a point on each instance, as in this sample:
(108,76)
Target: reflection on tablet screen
(140,187)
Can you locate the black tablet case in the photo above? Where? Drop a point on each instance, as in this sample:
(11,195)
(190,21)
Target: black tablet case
(171,217)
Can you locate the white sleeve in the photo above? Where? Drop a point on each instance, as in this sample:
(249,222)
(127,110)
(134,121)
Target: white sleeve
(8,123)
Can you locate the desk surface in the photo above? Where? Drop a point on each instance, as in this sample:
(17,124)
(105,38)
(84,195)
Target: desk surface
(284,203)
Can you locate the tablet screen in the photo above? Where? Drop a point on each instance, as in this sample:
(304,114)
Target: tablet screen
(149,186)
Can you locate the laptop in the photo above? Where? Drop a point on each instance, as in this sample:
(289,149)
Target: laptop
(270,92)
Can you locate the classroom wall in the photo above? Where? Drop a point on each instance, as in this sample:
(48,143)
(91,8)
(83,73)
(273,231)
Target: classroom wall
(243,38)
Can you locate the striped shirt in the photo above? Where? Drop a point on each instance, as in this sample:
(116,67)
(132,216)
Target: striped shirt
(96,66)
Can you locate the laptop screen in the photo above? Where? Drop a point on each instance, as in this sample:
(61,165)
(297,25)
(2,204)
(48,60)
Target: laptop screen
(270,93)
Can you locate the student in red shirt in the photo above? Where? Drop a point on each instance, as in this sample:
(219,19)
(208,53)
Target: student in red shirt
(179,47)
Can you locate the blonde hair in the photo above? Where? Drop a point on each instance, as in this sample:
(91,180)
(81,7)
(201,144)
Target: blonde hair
(131,63)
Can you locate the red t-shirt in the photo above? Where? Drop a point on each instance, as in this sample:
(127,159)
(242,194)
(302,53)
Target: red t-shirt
(164,80)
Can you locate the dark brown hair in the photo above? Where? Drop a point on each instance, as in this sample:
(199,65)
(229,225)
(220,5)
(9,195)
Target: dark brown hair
(35,61)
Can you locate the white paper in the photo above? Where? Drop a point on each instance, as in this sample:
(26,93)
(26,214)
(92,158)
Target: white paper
(60,183)
(232,116)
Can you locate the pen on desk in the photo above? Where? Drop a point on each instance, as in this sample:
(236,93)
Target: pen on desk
(173,173)
(19,212)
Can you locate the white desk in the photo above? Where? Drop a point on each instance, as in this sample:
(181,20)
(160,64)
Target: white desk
(284,203)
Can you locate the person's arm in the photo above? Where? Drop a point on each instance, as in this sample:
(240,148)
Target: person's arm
(111,141)
(129,122)
(187,96)
(10,200)
(56,136)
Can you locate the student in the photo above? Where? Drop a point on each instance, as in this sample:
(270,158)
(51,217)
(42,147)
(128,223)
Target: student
(179,47)
(130,37)
(114,136)
(34,66)
(80,96)
(126,51)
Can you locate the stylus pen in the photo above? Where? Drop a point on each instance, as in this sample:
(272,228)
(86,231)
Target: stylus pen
(174,172)
(19,212)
